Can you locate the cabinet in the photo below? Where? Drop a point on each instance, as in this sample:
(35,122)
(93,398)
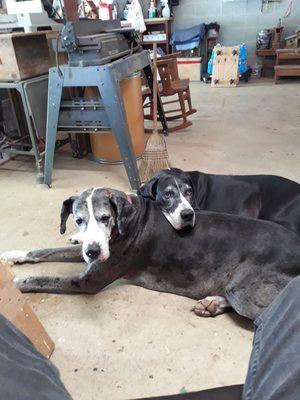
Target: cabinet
(158,24)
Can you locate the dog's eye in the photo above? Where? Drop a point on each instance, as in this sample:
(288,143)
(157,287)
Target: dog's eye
(79,221)
(168,195)
(104,219)
(188,192)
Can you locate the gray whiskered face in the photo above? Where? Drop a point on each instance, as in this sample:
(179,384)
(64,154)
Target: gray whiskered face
(174,196)
(173,191)
(95,219)
(95,215)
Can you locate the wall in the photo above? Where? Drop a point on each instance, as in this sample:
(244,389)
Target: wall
(240,20)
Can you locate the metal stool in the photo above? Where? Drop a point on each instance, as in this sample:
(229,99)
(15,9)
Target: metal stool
(33,92)
(88,115)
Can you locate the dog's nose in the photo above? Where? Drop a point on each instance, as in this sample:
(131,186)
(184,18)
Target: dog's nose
(93,251)
(187,215)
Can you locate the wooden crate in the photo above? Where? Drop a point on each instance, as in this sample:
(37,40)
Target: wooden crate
(225,67)
(14,307)
(23,55)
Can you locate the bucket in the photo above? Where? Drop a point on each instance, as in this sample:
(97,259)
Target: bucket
(103,144)
(263,39)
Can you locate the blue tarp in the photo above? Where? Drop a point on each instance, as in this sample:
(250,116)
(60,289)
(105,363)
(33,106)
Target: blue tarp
(188,39)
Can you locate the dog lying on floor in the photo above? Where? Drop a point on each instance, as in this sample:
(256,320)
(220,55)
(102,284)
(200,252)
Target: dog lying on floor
(267,197)
(225,260)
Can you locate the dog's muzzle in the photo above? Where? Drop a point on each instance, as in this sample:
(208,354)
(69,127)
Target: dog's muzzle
(93,251)
(187,215)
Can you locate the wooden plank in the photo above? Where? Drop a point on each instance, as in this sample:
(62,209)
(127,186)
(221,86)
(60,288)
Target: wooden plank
(225,67)
(15,308)
(156,21)
(287,67)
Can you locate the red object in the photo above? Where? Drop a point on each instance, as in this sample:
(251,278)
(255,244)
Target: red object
(105,11)
(189,62)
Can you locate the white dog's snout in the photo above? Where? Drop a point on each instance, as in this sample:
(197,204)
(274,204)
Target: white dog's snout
(183,215)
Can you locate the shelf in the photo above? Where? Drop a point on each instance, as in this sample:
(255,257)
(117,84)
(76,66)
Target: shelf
(155,41)
(157,21)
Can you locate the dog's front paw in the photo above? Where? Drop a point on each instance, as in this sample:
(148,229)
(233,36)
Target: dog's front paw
(210,306)
(19,282)
(75,239)
(23,284)
(14,257)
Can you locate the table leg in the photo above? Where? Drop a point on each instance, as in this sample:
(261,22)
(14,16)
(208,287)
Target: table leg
(35,148)
(109,89)
(161,113)
(54,98)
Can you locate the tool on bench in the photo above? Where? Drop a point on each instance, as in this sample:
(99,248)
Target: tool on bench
(100,54)
(96,42)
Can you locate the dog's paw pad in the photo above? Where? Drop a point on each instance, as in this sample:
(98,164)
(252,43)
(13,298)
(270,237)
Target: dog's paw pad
(208,307)
(13,257)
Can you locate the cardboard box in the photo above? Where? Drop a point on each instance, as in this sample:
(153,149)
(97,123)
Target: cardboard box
(189,68)
(15,308)
(23,55)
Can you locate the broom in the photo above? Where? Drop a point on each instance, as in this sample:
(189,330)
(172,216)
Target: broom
(155,156)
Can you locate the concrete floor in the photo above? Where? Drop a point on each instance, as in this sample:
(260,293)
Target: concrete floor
(128,342)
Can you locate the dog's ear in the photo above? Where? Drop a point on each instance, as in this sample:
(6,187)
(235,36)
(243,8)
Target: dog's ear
(200,185)
(66,210)
(123,209)
(148,190)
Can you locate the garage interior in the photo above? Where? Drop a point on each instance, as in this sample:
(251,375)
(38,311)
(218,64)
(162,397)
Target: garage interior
(127,342)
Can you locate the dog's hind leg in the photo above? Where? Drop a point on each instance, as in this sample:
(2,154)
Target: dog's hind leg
(250,295)
(211,306)
(60,254)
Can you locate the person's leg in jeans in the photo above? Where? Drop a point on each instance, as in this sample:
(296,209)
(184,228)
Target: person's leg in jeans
(25,374)
(274,367)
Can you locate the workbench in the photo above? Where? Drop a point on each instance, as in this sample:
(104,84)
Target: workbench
(287,63)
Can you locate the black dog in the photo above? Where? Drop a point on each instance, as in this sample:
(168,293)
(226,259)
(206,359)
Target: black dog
(267,197)
(225,260)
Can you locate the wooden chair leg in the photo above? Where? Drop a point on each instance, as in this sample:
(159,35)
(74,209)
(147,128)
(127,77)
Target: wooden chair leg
(182,106)
(189,100)
(184,124)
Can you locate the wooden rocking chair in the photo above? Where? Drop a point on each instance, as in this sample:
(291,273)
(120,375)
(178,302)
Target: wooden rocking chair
(171,85)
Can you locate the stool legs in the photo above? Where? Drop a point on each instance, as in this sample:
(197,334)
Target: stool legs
(35,147)
(162,117)
(105,78)
(109,89)
(54,98)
